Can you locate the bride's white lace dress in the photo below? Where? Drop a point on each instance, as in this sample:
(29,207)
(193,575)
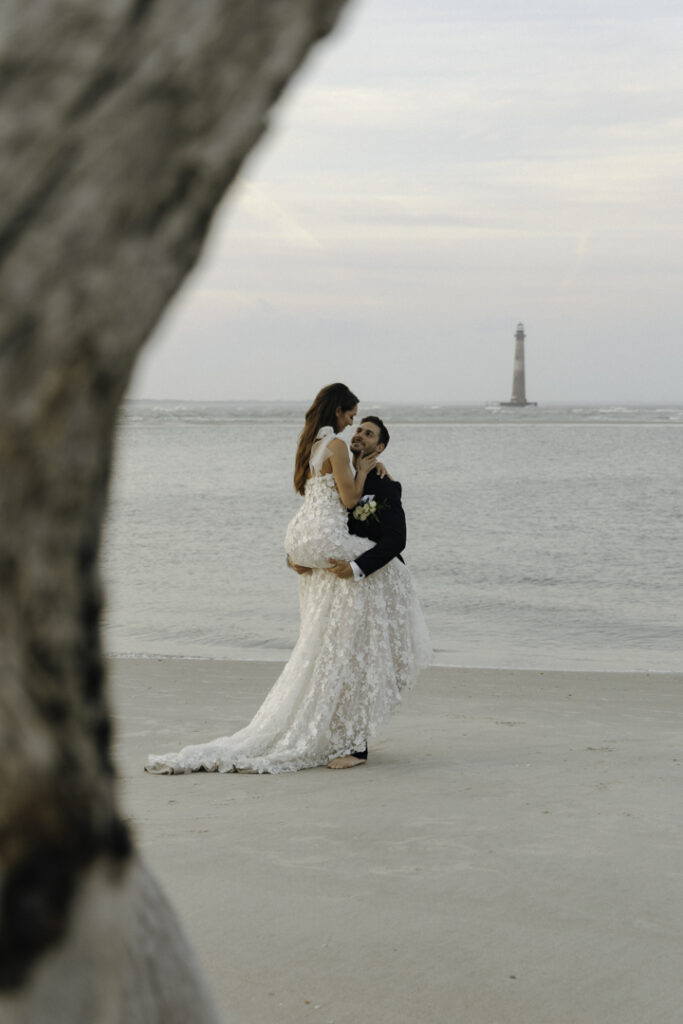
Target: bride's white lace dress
(361,645)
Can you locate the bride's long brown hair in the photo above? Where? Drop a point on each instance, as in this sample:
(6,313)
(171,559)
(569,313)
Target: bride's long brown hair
(323,413)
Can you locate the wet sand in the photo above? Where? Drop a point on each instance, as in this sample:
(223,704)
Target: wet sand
(511,854)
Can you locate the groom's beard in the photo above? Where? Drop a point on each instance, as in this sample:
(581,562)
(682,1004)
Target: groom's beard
(356,452)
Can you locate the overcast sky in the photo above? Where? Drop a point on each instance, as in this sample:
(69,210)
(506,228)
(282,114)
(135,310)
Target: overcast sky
(439,171)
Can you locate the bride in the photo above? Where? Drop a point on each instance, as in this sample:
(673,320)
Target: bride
(361,644)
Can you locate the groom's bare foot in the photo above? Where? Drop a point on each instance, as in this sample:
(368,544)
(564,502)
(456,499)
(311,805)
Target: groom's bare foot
(348,761)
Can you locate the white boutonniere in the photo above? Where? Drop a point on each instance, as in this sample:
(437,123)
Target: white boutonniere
(369,508)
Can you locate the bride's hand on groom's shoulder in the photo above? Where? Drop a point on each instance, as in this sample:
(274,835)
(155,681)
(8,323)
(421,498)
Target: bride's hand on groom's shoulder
(369,462)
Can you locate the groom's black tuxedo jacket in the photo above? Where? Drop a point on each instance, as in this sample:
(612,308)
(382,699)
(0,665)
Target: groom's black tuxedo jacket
(389,534)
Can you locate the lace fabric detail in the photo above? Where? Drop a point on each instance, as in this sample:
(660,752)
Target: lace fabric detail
(319,530)
(360,647)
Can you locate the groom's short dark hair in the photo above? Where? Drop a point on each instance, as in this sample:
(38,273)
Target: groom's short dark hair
(383,432)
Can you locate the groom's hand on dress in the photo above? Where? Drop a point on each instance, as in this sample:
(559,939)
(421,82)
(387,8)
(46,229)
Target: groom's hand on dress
(342,570)
(301,569)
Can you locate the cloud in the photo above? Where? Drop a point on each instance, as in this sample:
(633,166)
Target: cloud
(439,172)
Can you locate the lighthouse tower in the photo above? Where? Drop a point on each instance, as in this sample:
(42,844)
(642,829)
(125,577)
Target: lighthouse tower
(518,382)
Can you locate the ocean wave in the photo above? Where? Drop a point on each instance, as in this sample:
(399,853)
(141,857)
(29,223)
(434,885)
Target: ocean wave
(146,411)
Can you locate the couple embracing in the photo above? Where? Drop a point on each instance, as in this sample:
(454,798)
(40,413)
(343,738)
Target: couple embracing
(363,640)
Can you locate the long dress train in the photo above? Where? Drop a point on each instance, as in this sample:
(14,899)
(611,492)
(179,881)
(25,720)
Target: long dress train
(361,646)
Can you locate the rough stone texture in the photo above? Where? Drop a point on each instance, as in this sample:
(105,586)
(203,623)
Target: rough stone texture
(122,123)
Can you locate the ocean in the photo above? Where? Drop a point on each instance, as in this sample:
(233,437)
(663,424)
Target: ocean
(543,538)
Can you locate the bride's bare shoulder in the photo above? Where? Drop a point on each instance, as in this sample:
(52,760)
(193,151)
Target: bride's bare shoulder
(337,445)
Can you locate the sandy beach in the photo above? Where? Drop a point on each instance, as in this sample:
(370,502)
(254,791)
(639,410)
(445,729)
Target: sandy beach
(511,854)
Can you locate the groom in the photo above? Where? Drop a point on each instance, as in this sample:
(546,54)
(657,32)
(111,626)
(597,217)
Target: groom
(379,516)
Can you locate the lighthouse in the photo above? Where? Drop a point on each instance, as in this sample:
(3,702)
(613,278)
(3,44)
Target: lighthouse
(518,382)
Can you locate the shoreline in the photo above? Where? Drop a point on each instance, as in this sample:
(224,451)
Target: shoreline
(280,658)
